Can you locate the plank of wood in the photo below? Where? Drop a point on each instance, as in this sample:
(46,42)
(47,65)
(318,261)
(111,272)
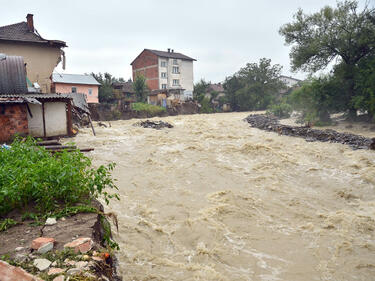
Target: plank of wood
(48,142)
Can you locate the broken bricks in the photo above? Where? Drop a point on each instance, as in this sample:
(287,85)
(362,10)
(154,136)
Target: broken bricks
(82,245)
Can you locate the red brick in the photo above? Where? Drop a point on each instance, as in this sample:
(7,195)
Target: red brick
(13,120)
(38,242)
(12,273)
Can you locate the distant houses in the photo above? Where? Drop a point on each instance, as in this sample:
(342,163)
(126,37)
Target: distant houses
(289,81)
(76,83)
(169,75)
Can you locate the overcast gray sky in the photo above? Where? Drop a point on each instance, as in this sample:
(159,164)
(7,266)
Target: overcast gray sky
(105,36)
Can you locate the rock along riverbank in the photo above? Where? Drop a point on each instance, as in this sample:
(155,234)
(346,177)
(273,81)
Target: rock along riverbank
(271,123)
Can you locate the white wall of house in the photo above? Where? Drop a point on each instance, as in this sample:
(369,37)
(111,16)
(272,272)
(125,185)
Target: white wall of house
(185,76)
(56,123)
(55,119)
(289,81)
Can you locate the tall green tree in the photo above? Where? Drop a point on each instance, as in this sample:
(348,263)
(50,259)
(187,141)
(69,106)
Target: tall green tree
(200,90)
(255,86)
(140,88)
(106,89)
(342,35)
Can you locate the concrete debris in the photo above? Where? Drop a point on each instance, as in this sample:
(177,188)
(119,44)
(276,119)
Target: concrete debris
(50,221)
(18,249)
(271,123)
(153,124)
(73,271)
(42,264)
(55,270)
(59,278)
(45,248)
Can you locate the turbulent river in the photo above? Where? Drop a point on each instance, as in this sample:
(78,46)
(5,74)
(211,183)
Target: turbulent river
(213,199)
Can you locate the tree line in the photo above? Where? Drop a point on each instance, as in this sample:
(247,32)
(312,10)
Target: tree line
(341,38)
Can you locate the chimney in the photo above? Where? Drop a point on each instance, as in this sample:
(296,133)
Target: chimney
(169,50)
(30,22)
(172,51)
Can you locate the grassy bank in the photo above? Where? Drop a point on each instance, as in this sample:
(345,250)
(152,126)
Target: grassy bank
(148,108)
(38,184)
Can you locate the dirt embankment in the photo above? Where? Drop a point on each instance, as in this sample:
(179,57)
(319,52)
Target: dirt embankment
(16,247)
(109,112)
(271,123)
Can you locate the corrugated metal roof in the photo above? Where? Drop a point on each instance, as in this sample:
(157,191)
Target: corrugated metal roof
(74,79)
(12,75)
(38,96)
(79,100)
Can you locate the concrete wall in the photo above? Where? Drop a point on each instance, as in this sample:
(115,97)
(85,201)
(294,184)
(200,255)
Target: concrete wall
(13,119)
(36,122)
(40,61)
(55,119)
(82,89)
(55,116)
(187,78)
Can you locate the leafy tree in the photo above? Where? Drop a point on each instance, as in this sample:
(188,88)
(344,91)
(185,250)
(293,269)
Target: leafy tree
(140,88)
(317,98)
(106,90)
(365,87)
(342,35)
(200,90)
(255,86)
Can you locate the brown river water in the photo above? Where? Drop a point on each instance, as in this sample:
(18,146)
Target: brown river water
(213,199)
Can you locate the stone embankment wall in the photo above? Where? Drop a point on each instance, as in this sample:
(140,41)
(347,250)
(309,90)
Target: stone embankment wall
(271,123)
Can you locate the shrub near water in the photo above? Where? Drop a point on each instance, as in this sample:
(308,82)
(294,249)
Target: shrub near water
(148,108)
(31,175)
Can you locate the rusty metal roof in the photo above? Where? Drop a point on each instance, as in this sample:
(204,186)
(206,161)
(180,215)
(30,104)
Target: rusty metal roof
(12,75)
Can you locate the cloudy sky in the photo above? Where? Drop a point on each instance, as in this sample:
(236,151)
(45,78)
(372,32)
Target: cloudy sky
(105,36)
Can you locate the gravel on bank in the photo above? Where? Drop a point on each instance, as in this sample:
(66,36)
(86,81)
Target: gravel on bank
(271,123)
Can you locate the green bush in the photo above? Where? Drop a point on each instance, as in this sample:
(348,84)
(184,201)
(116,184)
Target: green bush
(206,106)
(148,108)
(30,175)
(282,110)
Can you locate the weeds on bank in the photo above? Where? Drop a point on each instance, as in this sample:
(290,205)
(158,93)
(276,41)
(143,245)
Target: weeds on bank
(31,175)
(148,108)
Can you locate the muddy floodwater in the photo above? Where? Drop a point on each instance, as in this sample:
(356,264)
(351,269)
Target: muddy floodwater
(213,199)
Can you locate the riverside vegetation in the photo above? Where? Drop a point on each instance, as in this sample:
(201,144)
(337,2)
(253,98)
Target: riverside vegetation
(38,185)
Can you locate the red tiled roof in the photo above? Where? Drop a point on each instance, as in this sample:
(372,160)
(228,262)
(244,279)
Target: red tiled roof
(20,32)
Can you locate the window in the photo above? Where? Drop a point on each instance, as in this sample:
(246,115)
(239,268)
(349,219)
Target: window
(175,69)
(163,64)
(164,86)
(90,92)
(164,74)
(74,90)
(175,61)
(176,82)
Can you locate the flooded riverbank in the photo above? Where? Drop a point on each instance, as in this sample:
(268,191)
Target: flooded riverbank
(213,199)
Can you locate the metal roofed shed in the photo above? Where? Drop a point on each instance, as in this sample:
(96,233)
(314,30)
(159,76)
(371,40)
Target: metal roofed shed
(74,79)
(38,115)
(12,75)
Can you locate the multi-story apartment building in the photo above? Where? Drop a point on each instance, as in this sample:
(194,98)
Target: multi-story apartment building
(168,72)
